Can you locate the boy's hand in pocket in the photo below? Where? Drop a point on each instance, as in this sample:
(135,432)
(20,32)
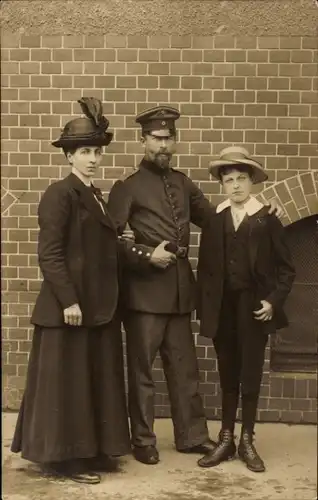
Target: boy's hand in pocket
(265,313)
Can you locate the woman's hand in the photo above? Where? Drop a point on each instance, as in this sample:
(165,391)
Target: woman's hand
(128,234)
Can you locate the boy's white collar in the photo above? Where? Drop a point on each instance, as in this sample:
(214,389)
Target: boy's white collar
(251,207)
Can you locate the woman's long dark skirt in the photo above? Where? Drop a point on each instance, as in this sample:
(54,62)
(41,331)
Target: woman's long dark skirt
(74,404)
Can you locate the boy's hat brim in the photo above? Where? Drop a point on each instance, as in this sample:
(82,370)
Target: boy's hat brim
(237,156)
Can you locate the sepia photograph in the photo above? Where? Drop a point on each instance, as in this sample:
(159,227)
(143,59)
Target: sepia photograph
(159,249)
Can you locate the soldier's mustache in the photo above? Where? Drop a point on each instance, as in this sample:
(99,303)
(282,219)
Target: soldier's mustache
(164,153)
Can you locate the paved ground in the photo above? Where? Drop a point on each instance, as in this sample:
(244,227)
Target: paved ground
(289,451)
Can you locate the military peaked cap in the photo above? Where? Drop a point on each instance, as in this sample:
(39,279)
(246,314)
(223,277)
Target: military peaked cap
(158,118)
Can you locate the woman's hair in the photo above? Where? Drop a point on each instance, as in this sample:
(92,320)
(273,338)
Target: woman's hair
(226,169)
(69,150)
(74,148)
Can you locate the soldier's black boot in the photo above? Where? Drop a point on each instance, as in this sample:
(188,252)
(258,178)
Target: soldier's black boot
(247,452)
(225,450)
(146,454)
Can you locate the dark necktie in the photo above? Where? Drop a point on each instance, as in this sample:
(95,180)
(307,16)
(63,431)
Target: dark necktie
(97,192)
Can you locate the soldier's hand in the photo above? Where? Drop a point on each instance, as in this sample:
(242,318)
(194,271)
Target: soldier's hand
(276,209)
(265,313)
(161,257)
(73,315)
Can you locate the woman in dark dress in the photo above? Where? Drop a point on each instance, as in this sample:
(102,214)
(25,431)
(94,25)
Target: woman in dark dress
(73,413)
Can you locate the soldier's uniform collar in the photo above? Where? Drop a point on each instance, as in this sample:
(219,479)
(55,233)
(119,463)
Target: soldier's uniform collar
(149,165)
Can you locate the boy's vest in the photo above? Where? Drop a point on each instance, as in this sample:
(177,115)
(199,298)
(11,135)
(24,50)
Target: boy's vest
(237,266)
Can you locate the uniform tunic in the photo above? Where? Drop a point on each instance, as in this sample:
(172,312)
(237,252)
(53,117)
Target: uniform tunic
(159,205)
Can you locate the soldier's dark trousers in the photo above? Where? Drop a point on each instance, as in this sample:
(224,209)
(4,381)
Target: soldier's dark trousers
(171,336)
(240,347)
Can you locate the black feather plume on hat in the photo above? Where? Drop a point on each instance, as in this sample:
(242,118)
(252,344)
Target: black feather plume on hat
(90,130)
(93,109)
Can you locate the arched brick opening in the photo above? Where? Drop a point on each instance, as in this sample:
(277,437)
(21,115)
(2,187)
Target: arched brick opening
(298,195)
(291,357)
(294,348)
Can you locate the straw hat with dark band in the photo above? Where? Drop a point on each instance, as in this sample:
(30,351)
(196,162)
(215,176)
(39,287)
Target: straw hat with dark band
(235,155)
(86,131)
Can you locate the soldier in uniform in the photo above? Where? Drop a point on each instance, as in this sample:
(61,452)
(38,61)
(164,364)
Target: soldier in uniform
(245,274)
(159,203)
(73,414)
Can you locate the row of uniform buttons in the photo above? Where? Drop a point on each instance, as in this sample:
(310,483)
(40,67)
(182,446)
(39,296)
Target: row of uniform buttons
(140,252)
(173,207)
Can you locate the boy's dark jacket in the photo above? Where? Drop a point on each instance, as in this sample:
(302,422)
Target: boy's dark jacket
(270,263)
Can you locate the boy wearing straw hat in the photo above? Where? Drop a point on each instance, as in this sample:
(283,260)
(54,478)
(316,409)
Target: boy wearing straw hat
(245,274)
(73,414)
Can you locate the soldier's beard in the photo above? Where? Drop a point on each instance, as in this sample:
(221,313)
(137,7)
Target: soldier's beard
(162,160)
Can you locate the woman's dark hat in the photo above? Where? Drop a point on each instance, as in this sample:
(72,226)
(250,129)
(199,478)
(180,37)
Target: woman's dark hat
(235,155)
(86,131)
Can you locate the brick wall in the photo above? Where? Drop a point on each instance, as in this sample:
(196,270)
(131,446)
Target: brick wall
(256,91)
